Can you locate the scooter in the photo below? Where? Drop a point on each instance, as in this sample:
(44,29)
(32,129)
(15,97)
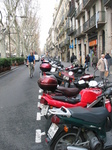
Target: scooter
(82,128)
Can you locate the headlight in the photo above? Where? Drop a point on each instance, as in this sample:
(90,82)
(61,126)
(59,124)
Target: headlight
(65,78)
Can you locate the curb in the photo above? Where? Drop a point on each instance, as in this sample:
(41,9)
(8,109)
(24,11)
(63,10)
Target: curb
(7,72)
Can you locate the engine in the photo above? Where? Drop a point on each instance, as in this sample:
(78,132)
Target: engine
(94,142)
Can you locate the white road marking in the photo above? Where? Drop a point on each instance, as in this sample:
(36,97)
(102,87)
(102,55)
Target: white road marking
(38,116)
(39,96)
(38,136)
(40,91)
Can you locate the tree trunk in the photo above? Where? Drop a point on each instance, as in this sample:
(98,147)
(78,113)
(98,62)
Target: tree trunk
(2,47)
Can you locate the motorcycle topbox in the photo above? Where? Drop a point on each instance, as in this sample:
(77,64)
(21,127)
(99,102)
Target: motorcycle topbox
(44,67)
(47,83)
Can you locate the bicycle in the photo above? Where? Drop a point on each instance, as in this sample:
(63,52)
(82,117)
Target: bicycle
(31,69)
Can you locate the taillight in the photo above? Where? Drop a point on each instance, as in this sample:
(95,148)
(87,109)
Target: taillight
(55,119)
(43,101)
(44,74)
(108,105)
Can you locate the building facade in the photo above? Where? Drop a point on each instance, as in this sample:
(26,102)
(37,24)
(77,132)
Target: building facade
(83,27)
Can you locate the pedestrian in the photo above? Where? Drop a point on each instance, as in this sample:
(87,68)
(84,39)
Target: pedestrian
(94,61)
(31,63)
(73,57)
(108,58)
(87,62)
(102,66)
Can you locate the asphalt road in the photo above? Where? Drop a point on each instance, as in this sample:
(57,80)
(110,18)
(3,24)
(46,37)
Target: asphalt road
(18,111)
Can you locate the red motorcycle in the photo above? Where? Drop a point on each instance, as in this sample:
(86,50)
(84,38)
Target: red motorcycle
(68,97)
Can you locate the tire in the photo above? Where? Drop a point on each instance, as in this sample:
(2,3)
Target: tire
(65,139)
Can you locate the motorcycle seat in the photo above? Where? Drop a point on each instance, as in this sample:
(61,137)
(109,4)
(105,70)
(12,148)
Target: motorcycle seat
(66,99)
(93,115)
(70,92)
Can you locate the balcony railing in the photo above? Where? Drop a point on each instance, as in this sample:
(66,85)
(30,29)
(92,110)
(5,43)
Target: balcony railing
(67,40)
(62,21)
(79,32)
(107,3)
(61,32)
(71,11)
(88,3)
(97,19)
(79,10)
(67,26)
(70,31)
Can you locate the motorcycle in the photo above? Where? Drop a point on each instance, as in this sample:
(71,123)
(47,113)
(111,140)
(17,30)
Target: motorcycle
(48,65)
(82,128)
(71,98)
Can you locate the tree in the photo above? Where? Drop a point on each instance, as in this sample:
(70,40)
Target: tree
(22,26)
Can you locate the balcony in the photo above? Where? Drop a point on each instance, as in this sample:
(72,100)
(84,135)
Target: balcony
(108,3)
(71,12)
(79,32)
(88,3)
(71,31)
(79,11)
(67,40)
(61,32)
(62,44)
(90,25)
(66,14)
(62,22)
(66,27)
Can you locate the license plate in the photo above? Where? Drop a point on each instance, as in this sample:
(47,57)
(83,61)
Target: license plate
(44,110)
(52,130)
(53,69)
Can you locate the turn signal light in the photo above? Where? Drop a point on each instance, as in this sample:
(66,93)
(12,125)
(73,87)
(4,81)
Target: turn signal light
(51,107)
(65,128)
(59,73)
(55,119)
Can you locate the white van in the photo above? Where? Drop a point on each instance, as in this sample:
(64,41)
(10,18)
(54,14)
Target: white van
(36,57)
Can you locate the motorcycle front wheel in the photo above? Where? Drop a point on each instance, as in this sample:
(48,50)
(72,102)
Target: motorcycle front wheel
(66,139)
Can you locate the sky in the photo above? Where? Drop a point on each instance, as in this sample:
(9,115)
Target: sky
(46,19)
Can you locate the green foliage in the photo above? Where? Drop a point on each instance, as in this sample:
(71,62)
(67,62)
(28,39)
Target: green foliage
(7,62)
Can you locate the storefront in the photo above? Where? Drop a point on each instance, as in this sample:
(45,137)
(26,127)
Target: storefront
(93,46)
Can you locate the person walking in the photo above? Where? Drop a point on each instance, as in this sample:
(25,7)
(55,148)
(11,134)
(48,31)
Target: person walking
(73,57)
(87,62)
(108,58)
(31,63)
(102,66)
(94,61)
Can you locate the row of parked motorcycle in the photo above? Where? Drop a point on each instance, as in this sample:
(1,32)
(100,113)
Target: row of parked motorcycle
(77,106)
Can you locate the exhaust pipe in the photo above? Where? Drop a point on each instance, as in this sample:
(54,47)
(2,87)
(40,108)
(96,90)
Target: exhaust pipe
(75,148)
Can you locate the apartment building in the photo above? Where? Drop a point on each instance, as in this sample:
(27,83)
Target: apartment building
(90,31)
(83,27)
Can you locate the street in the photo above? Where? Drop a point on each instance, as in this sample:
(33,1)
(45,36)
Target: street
(18,111)
(19,97)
